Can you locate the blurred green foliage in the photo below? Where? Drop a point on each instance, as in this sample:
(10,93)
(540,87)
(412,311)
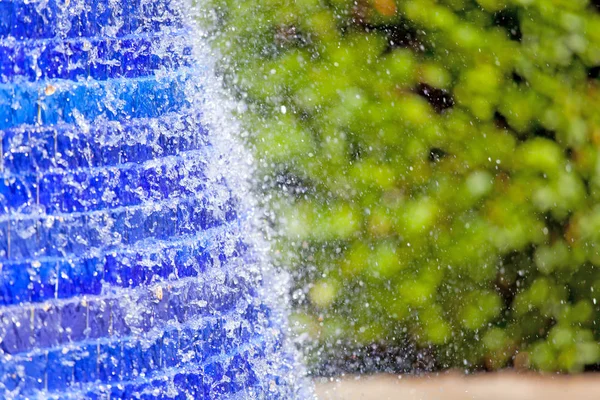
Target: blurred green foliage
(435,168)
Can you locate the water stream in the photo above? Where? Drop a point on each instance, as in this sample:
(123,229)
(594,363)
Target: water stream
(131,260)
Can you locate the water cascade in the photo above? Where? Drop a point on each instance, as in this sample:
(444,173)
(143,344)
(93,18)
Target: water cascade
(130,261)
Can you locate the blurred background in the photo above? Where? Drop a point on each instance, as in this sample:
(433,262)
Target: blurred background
(432,175)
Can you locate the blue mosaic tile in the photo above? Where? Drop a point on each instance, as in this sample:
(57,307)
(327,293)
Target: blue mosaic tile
(127,265)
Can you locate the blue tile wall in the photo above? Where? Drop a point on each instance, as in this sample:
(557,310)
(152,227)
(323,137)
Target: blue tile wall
(126,269)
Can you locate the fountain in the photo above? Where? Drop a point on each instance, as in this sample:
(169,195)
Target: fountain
(130,260)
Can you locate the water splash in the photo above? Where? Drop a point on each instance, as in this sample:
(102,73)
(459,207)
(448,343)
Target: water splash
(131,260)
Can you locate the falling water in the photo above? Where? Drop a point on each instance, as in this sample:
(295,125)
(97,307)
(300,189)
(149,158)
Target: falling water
(131,260)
